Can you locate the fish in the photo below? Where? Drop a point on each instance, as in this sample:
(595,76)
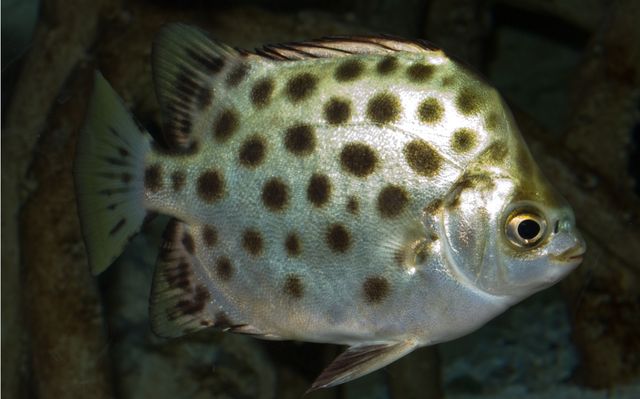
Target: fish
(366,191)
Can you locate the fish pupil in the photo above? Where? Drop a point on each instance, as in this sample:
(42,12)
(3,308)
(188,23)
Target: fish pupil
(528,229)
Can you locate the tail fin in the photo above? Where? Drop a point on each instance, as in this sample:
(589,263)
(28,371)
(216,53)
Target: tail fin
(109,176)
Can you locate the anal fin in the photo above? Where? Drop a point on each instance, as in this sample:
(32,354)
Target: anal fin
(360,360)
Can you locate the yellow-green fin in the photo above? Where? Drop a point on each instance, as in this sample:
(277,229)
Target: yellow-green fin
(108,174)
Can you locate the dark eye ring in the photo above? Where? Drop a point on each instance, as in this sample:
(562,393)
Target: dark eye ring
(525,229)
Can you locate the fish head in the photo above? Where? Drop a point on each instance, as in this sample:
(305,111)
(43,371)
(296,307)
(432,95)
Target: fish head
(508,232)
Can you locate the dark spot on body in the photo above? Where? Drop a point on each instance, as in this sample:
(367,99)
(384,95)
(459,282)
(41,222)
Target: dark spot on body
(117,226)
(433,207)
(293,287)
(496,153)
(237,74)
(226,125)
(468,101)
(491,121)
(210,186)
(261,92)
(292,245)
(375,289)
(387,65)
(224,268)
(196,303)
(338,238)
(383,108)
(337,111)
(422,158)
(275,195)
(252,242)
(430,111)
(319,190)
(353,206)
(153,178)
(301,86)
(349,70)
(188,243)
(463,140)
(209,236)
(222,321)
(300,140)
(392,201)
(178,180)
(252,152)
(358,159)
(419,73)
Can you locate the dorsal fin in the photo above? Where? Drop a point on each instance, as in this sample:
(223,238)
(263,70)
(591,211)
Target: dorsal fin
(186,67)
(340,46)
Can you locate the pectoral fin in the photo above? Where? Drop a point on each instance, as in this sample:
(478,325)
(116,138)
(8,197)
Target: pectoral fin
(360,360)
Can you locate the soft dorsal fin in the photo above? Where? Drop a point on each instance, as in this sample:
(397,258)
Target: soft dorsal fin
(341,46)
(360,360)
(183,299)
(187,67)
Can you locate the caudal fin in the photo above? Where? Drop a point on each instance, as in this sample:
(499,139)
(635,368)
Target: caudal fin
(109,176)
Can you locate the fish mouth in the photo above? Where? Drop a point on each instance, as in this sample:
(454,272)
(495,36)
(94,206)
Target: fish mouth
(573,255)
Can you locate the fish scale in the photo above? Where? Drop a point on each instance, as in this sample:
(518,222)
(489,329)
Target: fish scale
(362,191)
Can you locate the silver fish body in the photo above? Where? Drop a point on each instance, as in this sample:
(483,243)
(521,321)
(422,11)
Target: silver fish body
(365,191)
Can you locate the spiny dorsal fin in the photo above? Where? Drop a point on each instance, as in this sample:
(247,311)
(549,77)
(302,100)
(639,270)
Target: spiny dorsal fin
(340,46)
(360,360)
(188,69)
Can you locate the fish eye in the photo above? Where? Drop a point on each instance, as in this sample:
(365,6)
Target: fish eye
(525,229)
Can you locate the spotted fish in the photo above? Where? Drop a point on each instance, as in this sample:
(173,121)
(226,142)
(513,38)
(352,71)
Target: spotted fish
(364,191)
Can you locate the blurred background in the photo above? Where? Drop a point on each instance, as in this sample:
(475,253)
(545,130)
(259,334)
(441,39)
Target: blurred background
(570,70)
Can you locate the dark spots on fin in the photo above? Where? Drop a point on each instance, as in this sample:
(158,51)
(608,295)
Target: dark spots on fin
(301,87)
(261,92)
(300,140)
(178,180)
(196,303)
(337,111)
(349,70)
(126,177)
(275,195)
(237,74)
(387,65)
(496,153)
(358,159)
(338,238)
(226,125)
(209,236)
(375,289)
(117,227)
(224,268)
(293,287)
(210,186)
(153,178)
(204,98)
(419,73)
(178,276)
(252,242)
(353,205)
(188,243)
(392,201)
(252,152)
(383,108)
(293,245)
(422,158)
(210,63)
(319,190)
(123,152)
(468,101)
(463,140)
(430,111)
